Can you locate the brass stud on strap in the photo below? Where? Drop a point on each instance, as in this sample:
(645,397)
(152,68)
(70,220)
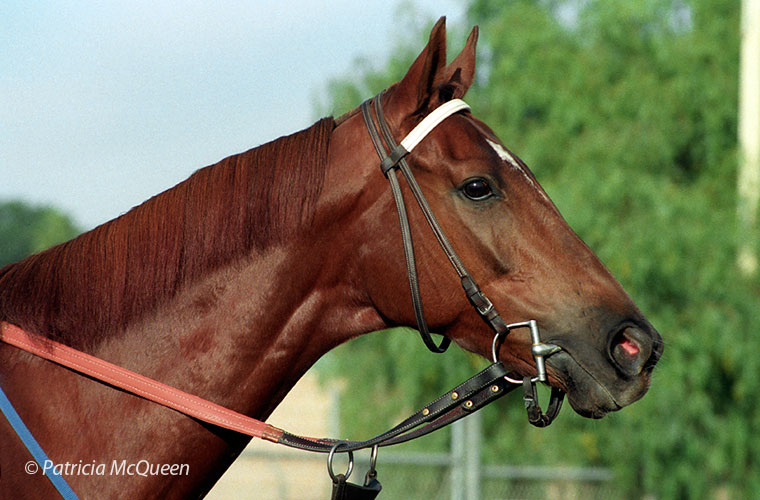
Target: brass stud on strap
(454,395)
(425,412)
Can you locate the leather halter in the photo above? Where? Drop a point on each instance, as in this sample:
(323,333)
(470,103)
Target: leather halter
(393,160)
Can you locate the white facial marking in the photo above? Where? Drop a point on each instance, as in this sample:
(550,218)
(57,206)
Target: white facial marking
(504,154)
(507,157)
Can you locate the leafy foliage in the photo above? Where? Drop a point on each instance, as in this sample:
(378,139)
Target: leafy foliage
(626,111)
(25,229)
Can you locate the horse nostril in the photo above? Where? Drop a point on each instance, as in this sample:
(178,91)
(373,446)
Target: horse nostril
(630,349)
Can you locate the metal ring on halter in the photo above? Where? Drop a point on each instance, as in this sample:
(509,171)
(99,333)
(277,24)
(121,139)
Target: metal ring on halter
(539,350)
(494,347)
(373,458)
(330,462)
(372,472)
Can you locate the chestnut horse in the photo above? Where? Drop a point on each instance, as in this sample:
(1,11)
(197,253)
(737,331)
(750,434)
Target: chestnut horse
(232,284)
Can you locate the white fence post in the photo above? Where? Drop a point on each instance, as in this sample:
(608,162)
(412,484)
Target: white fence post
(749,137)
(465,458)
(457,460)
(473,432)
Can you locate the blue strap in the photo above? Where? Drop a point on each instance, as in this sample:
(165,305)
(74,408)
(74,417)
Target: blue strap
(35,449)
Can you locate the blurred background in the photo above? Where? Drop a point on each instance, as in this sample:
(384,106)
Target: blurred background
(628,112)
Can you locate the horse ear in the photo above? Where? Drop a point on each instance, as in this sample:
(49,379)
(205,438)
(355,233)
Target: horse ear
(429,82)
(456,78)
(414,91)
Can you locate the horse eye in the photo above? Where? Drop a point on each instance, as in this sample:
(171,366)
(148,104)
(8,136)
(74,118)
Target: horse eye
(477,189)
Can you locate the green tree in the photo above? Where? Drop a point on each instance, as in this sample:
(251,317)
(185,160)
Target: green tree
(626,112)
(25,229)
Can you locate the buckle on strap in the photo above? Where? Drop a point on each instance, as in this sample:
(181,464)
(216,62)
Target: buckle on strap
(483,305)
(476,296)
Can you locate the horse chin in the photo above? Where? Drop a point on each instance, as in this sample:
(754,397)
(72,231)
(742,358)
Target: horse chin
(586,394)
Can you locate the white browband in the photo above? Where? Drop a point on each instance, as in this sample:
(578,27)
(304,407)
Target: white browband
(431,121)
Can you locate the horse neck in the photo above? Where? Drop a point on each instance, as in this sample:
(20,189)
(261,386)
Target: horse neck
(246,333)
(240,336)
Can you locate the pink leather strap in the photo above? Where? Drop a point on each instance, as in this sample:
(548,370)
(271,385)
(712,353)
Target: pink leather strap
(137,384)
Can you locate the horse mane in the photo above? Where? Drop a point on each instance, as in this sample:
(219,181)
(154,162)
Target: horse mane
(93,286)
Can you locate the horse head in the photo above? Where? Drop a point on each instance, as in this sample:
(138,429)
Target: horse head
(510,236)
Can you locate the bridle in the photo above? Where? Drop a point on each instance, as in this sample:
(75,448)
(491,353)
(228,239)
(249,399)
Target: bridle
(393,159)
(490,384)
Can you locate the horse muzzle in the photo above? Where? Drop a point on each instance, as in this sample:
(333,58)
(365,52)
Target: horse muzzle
(600,382)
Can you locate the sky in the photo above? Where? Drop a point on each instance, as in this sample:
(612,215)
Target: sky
(105,104)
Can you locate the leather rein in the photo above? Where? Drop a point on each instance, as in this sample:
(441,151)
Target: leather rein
(490,384)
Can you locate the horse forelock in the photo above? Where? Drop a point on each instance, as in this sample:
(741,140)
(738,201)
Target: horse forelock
(95,285)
